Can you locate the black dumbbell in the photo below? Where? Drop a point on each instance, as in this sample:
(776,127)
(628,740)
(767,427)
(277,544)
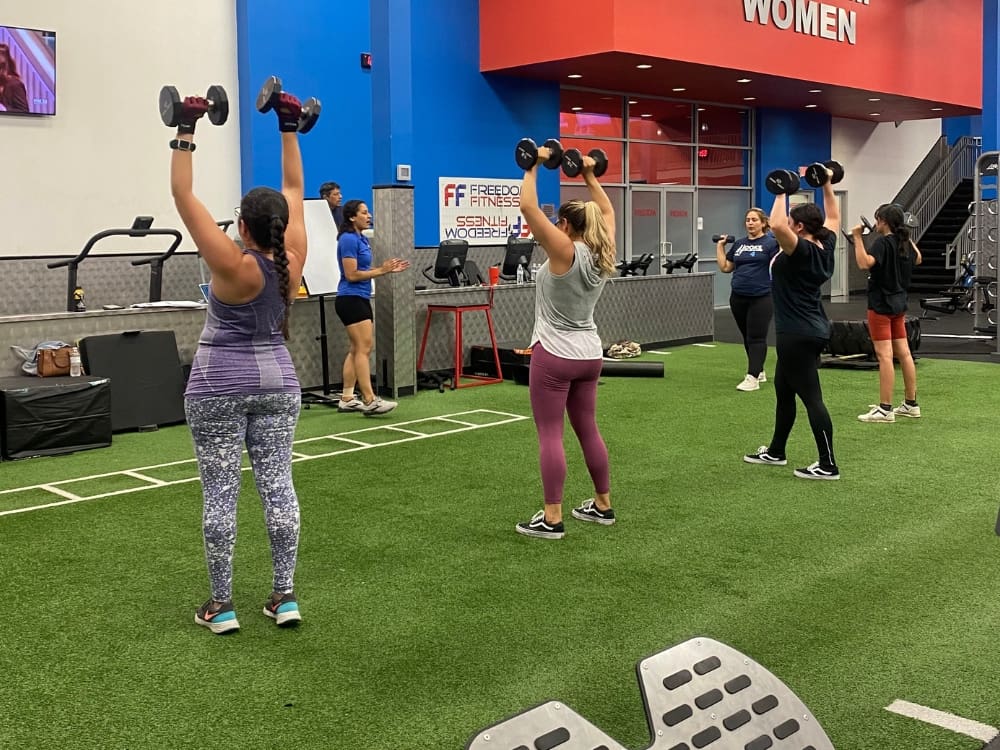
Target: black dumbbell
(817,175)
(782,182)
(727,237)
(268,96)
(526,153)
(172,106)
(572,162)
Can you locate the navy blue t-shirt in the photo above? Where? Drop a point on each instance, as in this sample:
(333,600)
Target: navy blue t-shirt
(889,278)
(796,280)
(354,245)
(752,261)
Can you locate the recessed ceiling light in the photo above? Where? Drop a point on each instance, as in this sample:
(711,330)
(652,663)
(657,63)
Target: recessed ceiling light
(577,109)
(646,115)
(810,106)
(749,98)
(815,91)
(679,88)
(876,99)
(644,66)
(743,80)
(701,109)
(607,98)
(874,114)
(574,75)
(633,101)
(936,109)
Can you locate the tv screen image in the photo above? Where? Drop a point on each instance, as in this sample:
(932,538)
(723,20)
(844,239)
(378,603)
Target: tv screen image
(27,71)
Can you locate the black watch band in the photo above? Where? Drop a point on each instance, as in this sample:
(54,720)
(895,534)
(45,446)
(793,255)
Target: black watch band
(178,144)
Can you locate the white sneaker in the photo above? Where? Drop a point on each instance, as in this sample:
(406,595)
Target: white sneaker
(749,383)
(378,406)
(877,414)
(905,410)
(762,378)
(352,404)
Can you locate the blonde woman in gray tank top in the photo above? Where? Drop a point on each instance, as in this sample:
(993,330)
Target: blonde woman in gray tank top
(566,352)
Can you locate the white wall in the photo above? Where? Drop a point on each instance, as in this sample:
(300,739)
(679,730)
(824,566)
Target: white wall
(103,158)
(878,159)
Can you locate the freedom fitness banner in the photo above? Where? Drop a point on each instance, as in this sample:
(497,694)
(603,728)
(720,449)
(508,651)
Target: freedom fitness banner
(480,211)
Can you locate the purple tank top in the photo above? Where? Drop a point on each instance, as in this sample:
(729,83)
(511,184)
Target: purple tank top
(241,349)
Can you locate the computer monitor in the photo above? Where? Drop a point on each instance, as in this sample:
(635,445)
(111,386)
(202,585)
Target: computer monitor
(449,266)
(518,253)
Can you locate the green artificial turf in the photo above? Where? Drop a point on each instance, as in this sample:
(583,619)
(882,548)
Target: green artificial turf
(426,618)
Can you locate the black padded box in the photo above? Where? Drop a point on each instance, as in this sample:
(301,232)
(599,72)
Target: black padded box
(51,416)
(514,362)
(147,380)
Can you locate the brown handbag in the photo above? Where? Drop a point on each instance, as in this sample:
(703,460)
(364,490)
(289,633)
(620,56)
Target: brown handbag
(53,362)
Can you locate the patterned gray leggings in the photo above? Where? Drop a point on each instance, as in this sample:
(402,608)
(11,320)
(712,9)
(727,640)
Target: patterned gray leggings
(219,426)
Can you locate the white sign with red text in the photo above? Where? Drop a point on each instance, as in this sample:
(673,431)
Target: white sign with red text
(479,210)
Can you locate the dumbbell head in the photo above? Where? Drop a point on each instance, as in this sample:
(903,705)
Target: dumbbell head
(782,182)
(555,154)
(727,237)
(172,106)
(817,175)
(572,162)
(267,97)
(526,153)
(310,114)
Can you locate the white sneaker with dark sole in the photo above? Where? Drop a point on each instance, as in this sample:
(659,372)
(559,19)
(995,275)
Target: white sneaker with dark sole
(590,512)
(763,457)
(813,471)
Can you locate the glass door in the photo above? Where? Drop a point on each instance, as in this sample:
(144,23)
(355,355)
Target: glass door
(662,224)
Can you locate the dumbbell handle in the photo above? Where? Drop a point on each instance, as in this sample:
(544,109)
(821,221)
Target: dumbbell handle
(720,237)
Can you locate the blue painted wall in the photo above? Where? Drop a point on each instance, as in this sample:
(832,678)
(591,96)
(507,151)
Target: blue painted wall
(954,128)
(788,140)
(315,47)
(424,103)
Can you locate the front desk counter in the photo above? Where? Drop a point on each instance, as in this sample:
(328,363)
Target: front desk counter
(652,310)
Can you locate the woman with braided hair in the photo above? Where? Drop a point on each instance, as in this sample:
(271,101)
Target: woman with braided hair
(243,388)
(889,262)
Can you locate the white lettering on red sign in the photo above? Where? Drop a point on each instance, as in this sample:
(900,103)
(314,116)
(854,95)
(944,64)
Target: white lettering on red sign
(808,17)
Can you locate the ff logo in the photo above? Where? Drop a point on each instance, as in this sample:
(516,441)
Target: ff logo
(520,228)
(454,190)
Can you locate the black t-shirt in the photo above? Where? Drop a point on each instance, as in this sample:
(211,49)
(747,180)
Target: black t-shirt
(796,280)
(889,278)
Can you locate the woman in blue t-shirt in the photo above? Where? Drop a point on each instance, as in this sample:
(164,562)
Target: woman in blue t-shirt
(749,261)
(802,330)
(354,308)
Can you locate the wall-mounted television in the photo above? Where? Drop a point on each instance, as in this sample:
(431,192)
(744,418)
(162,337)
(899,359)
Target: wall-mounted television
(27,71)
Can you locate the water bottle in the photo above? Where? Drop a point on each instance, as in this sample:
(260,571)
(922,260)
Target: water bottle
(75,367)
(79,304)
(520,275)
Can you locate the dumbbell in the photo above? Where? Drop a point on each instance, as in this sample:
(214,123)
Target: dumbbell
(526,153)
(572,162)
(727,237)
(817,175)
(172,106)
(267,99)
(782,182)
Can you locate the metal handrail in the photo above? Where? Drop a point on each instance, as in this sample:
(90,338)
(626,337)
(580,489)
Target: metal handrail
(923,173)
(932,197)
(959,250)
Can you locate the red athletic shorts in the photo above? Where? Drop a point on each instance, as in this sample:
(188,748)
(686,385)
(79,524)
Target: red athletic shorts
(886,327)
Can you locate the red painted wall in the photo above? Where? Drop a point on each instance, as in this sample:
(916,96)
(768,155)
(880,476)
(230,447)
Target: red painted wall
(927,49)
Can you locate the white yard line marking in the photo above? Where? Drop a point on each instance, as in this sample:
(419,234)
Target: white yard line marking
(943,719)
(652,351)
(707,346)
(406,436)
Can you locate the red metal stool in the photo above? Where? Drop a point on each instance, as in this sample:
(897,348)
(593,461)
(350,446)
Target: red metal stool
(459,311)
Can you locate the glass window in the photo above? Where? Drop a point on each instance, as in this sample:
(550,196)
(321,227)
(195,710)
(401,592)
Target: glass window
(617,197)
(660,120)
(655,164)
(727,167)
(613,149)
(721,212)
(723,125)
(587,113)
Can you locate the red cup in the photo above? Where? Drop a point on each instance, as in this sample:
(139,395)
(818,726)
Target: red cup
(494,275)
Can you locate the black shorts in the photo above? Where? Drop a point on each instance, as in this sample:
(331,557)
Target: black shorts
(352,309)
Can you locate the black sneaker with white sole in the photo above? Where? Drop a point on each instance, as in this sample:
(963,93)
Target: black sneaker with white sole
(538,526)
(815,471)
(763,457)
(590,512)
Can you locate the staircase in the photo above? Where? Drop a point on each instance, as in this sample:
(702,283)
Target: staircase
(932,276)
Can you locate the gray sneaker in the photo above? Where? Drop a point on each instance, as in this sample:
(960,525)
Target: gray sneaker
(905,410)
(354,404)
(377,406)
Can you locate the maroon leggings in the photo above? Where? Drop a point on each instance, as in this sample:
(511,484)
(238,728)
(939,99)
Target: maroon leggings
(559,386)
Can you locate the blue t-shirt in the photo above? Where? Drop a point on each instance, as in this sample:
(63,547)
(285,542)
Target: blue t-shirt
(354,245)
(796,281)
(752,261)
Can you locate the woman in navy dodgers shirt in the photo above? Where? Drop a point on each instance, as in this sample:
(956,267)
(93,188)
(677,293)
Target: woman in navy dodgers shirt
(749,260)
(354,308)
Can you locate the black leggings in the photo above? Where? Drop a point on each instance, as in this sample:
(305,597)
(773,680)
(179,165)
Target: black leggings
(797,374)
(753,316)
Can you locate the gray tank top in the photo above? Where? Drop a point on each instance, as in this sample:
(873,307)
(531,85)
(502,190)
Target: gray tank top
(564,308)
